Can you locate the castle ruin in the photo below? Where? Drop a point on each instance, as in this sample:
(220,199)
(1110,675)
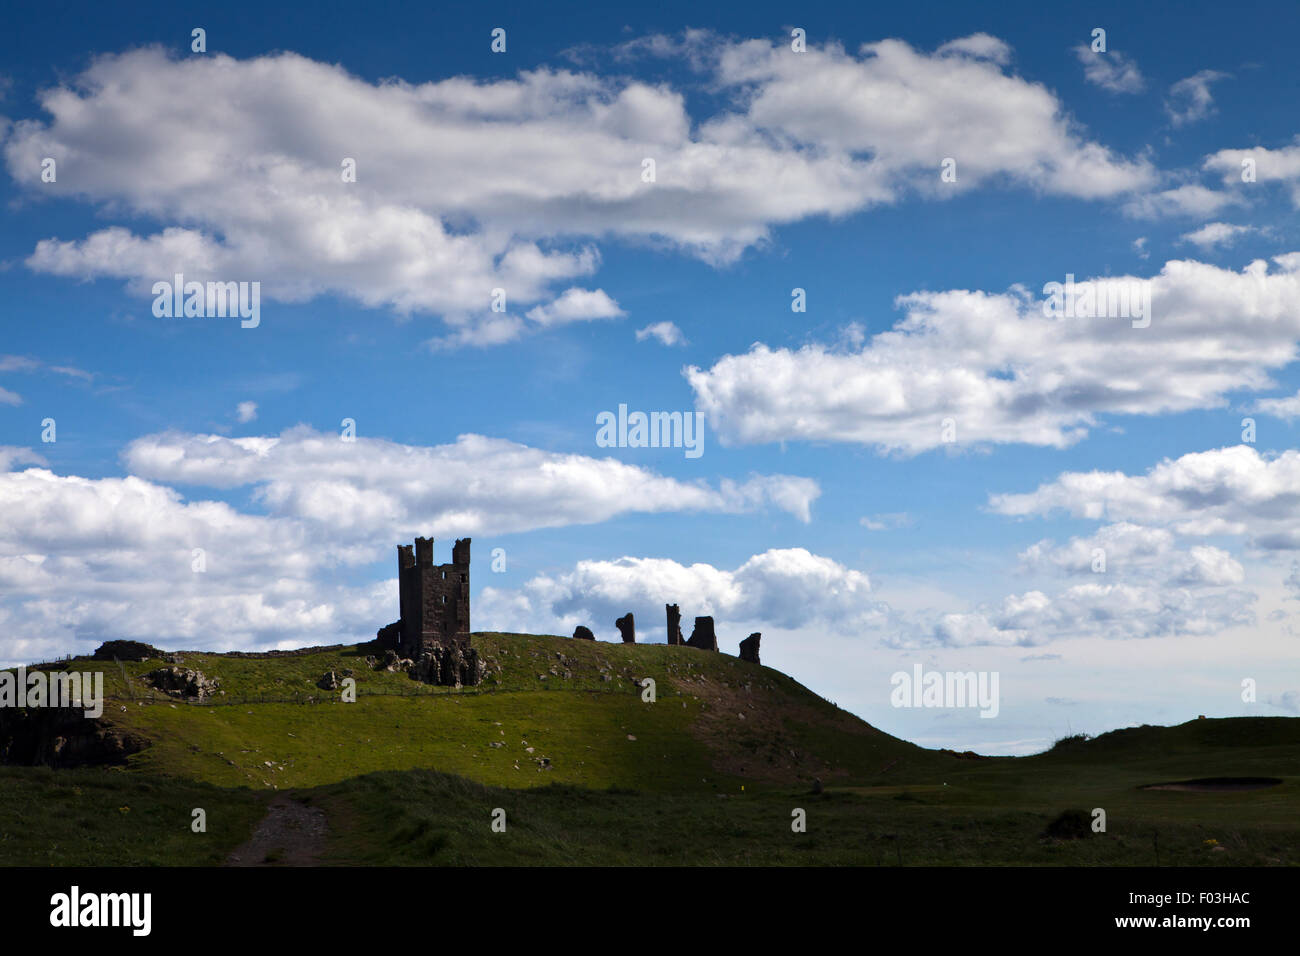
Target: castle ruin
(433,632)
(432,639)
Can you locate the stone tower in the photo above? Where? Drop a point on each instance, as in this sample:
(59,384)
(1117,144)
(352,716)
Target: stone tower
(434,629)
(434,598)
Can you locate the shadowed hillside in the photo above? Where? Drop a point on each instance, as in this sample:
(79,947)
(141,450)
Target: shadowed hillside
(559,737)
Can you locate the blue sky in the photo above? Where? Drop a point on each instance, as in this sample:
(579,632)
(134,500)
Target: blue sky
(826,510)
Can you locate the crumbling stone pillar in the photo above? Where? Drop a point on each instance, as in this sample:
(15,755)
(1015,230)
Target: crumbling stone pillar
(702,636)
(674,624)
(627,627)
(749,648)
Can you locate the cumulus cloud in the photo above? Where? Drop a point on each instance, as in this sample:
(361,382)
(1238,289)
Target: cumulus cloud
(1111,70)
(665,333)
(1216,234)
(781,588)
(1285,408)
(1004,372)
(1116,611)
(1225,491)
(1190,199)
(84,559)
(576,305)
(463,186)
(1268,165)
(477,485)
(1190,99)
(1128,550)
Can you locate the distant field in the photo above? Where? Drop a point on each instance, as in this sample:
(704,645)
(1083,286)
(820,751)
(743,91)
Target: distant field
(560,738)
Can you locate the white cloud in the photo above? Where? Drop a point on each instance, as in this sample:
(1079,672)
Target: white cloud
(382,491)
(1191,199)
(1225,491)
(1111,70)
(1216,234)
(980,46)
(576,305)
(464,186)
(1005,373)
(886,522)
(1269,166)
(778,589)
(666,333)
(1285,408)
(1190,99)
(83,559)
(1130,551)
(1115,611)
(245,412)
(24,364)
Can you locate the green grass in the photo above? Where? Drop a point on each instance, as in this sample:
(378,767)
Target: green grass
(587,772)
(575,703)
(109,818)
(425,818)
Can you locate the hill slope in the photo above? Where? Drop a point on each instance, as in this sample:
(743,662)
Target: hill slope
(550,710)
(560,738)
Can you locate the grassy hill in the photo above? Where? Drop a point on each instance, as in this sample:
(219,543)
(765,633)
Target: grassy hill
(551,710)
(560,738)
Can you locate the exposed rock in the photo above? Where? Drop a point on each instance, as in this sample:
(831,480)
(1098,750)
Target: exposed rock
(392,662)
(127,651)
(330,681)
(448,665)
(627,627)
(749,648)
(583,633)
(674,624)
(183,683)
(702,636)
(63,737)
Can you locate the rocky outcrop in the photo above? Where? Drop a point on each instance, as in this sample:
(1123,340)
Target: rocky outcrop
(583,633)
(127,651)
(330,681)
(627,628)
(749,648)
(448,665)
(702,636)
(674,624)
(183,683)
(63,737)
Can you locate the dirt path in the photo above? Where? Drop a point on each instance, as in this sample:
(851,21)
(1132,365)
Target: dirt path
(291,834)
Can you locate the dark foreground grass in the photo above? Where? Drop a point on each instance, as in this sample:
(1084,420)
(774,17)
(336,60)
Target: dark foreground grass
(426,818)
(109,818)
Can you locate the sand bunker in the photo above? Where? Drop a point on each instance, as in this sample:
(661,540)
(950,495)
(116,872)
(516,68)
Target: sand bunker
(1217,784)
